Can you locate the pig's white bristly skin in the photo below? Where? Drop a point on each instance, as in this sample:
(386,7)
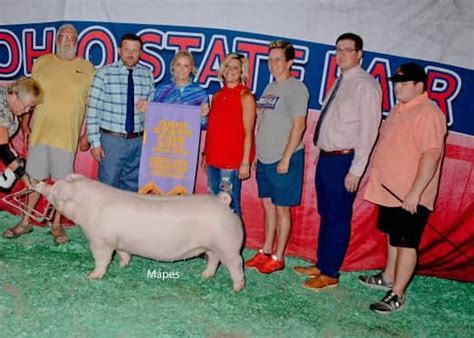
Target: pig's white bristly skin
(161,228)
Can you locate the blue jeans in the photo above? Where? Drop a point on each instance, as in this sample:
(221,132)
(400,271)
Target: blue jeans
(335,209)
(226,180)
(119,167)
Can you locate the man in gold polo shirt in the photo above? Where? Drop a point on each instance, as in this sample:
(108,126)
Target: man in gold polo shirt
(404,181)
(65,79)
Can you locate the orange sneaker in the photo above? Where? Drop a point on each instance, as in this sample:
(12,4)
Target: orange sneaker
(271,265)
(257,260)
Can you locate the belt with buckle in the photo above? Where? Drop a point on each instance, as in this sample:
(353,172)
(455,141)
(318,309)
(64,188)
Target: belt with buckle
(122,135)
(337,152)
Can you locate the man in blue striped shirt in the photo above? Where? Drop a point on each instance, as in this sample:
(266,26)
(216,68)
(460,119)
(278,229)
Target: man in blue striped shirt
(115,138)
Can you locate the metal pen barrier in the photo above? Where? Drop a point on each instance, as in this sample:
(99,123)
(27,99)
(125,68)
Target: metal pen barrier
(17,201)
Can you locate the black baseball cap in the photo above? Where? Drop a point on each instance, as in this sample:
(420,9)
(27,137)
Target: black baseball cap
(409,72)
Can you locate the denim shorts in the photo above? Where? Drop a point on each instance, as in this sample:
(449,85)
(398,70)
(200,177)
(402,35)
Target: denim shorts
(282,189)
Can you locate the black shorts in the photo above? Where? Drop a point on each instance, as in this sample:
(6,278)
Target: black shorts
(403,228)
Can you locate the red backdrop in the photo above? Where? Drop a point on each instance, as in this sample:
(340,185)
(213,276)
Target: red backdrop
(447,247)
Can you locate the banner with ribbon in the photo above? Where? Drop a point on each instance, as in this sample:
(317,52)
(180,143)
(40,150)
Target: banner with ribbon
(170,149)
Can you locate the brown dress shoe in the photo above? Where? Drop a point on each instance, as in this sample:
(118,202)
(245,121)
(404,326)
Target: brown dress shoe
(307,270)
(320,282)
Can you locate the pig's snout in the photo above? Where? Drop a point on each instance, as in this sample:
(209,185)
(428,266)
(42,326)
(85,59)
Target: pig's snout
(40,187)
(61,191)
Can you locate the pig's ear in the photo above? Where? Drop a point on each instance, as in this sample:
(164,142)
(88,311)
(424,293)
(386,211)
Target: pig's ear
(62,191)
(72,177)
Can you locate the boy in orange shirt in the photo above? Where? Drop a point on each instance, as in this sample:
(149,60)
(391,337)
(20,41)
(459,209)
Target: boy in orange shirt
(404,181)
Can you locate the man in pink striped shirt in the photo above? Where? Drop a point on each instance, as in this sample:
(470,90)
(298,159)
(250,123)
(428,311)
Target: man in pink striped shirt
(345,134)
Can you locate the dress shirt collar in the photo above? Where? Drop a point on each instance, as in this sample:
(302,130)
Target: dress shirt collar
(352,72)
(125,68)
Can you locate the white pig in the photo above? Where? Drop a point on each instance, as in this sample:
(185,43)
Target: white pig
(161,228)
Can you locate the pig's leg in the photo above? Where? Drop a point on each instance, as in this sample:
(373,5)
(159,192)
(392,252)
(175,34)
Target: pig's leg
(212,262)
(102,256)
(235,266)
(124,258)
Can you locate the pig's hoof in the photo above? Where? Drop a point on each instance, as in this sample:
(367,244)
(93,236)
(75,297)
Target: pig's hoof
(124,258)
(239,286)
(95,275)
(207,274)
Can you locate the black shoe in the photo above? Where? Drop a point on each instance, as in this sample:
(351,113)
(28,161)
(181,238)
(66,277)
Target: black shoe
(375,282)
(390,303)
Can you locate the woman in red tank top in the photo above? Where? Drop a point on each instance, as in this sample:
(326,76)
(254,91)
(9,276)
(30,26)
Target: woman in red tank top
(229,149)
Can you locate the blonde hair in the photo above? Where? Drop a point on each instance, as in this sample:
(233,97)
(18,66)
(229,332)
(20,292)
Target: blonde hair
(26,86)
(243,62)
(183,54)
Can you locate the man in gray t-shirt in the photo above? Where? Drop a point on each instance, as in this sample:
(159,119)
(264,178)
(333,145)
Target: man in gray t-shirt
(279,104)
(281,123)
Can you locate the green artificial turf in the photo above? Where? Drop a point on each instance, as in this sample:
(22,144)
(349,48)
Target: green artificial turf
(44,293)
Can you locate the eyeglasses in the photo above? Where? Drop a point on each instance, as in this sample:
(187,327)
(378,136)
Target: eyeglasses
(27,108)
(346,50)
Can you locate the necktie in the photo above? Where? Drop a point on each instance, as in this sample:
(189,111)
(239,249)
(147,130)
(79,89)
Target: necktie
(129,120)
(325,109)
